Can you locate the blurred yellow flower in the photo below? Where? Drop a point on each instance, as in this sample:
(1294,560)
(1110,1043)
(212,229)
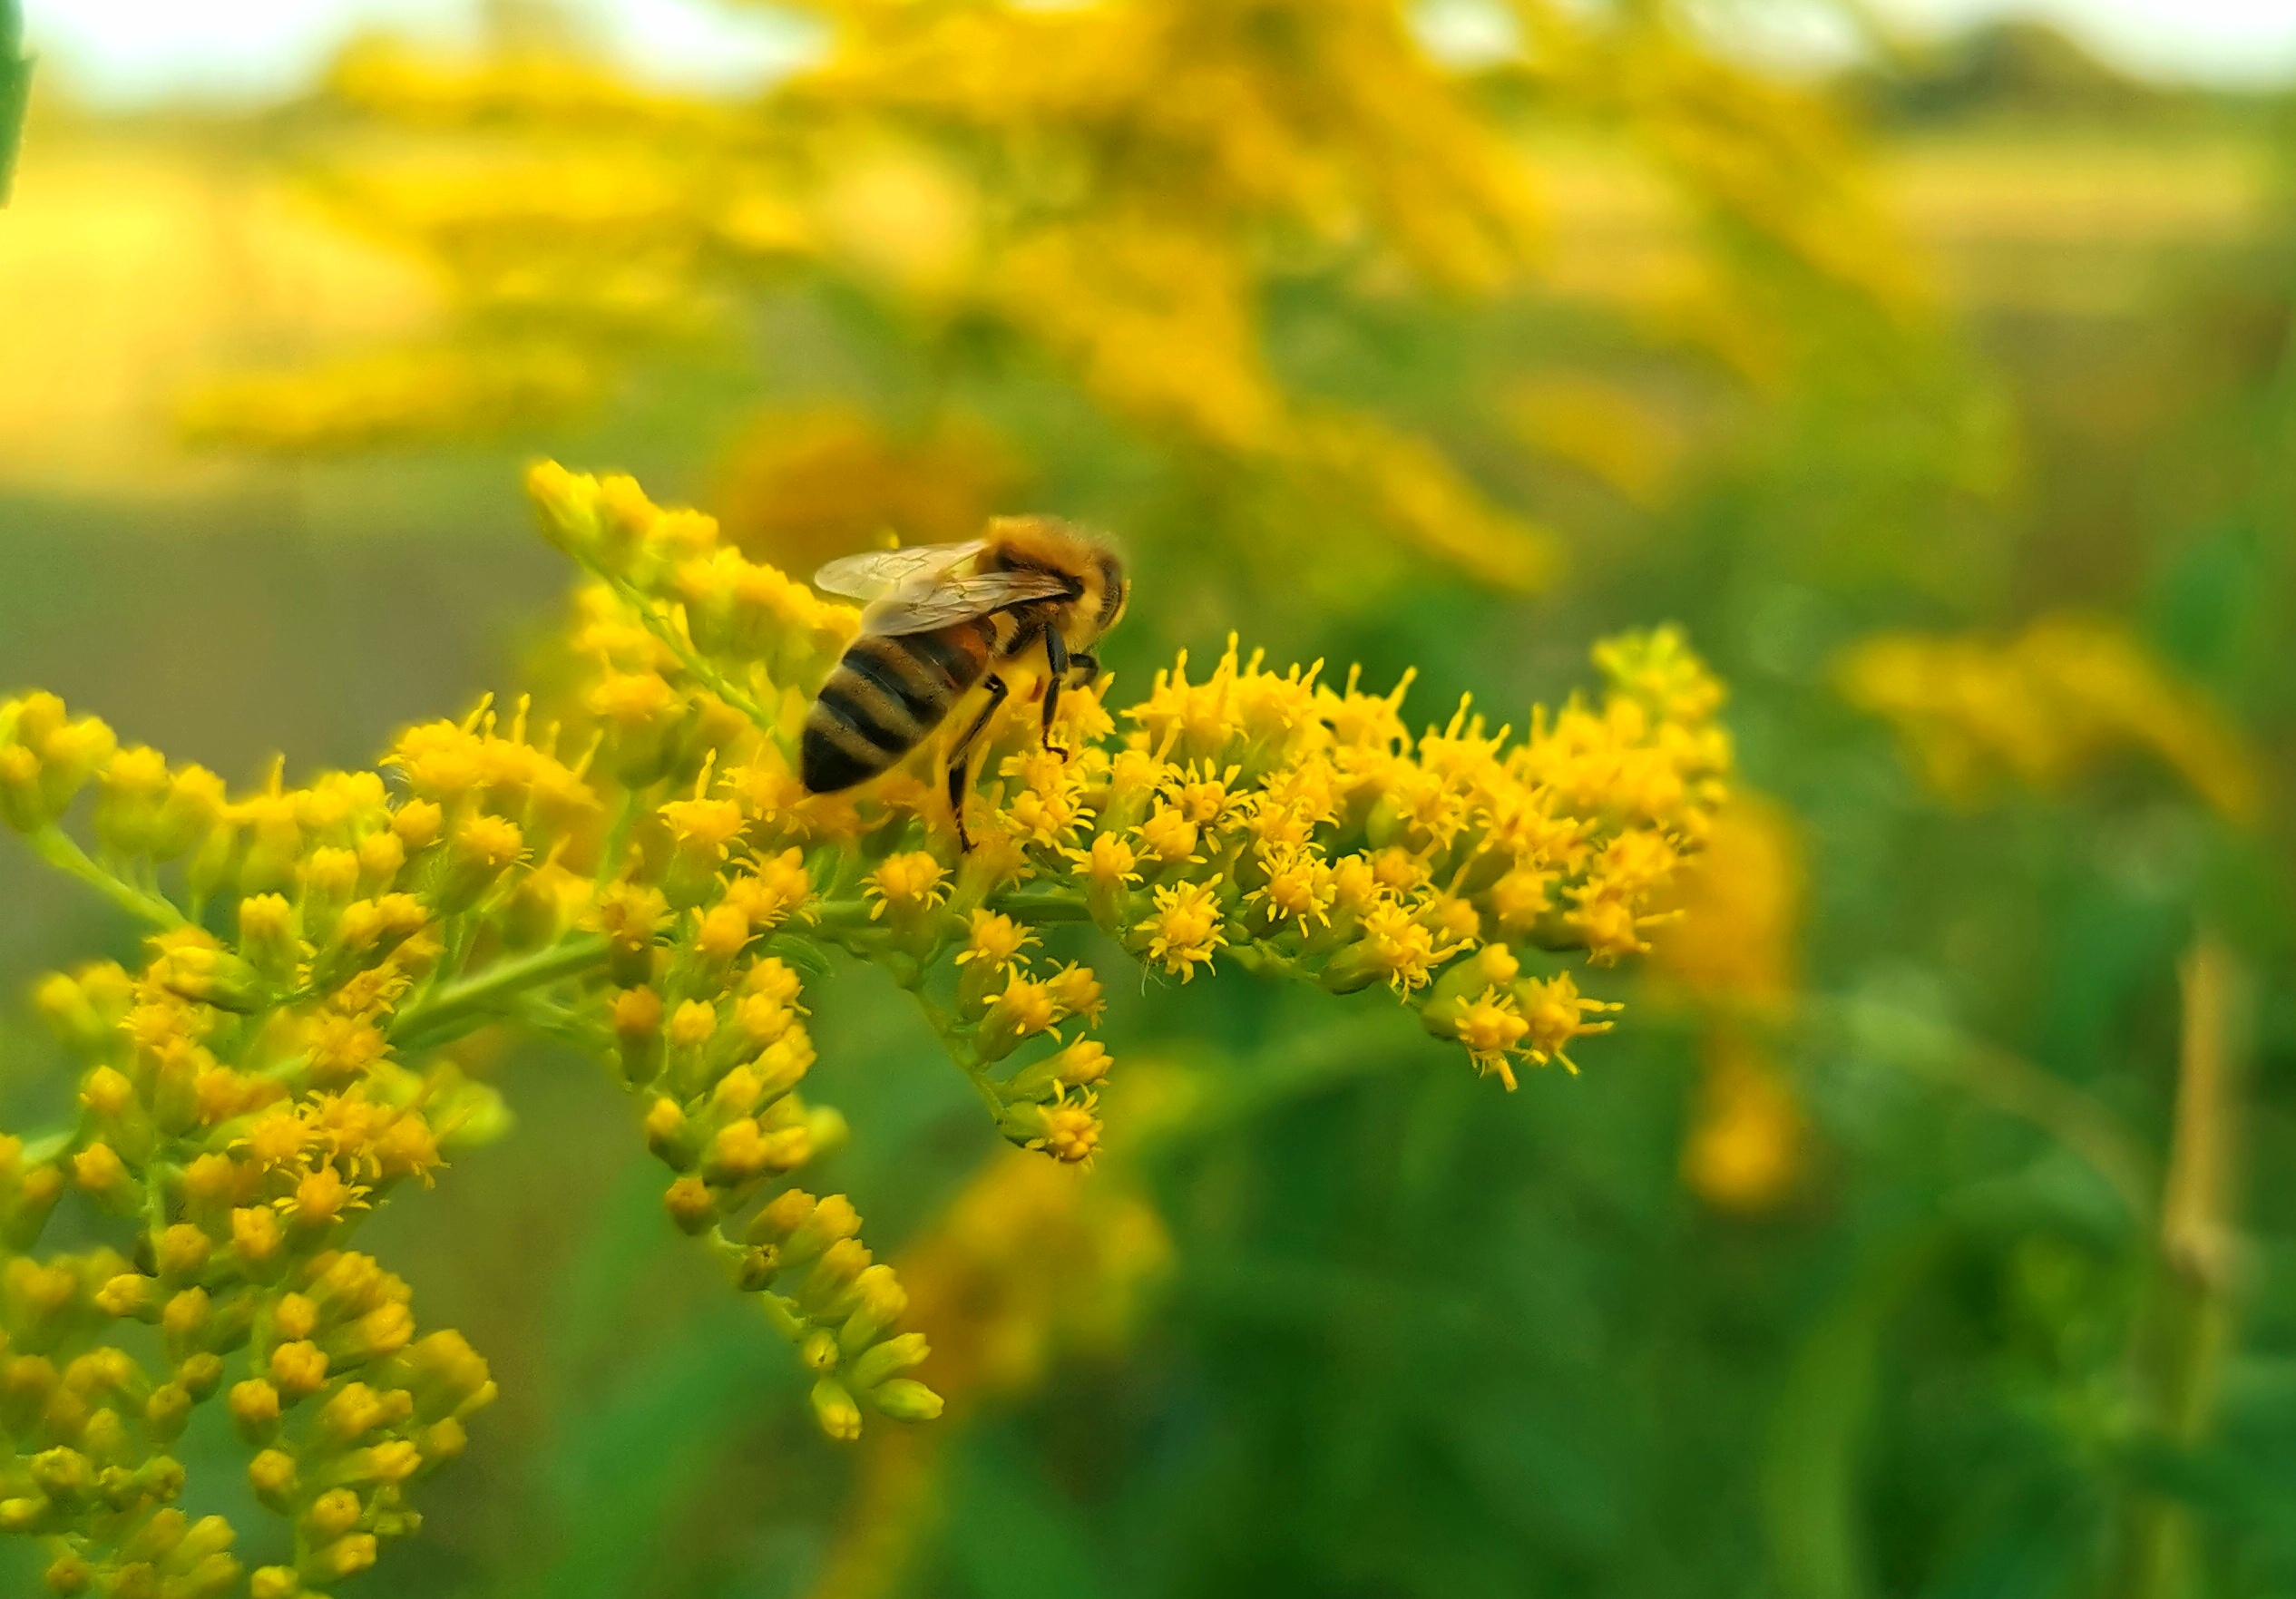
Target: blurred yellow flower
(2045,707)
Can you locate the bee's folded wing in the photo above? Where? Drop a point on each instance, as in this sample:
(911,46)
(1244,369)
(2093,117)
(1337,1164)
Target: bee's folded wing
(877,573)
(920,608)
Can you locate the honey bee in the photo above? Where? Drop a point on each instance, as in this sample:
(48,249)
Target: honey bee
(942,618)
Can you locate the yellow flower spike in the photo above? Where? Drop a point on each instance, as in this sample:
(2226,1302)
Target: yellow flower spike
(286,1078)
(1076,991)
(906,885)
(723,932)
(993,941)
(1490,1026)
(1166,838)
(1184,930)
(1557,1015)
(1109,869)
(1393,947)
(1066,1128)
(993,950)
(1023,1009)
(774,887)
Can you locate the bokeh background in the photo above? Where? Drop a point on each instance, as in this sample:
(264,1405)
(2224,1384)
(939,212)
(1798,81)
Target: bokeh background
(1927,1230)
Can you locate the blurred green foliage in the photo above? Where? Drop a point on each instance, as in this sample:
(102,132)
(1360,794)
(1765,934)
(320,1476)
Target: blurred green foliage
(1415,1340)
(16,92)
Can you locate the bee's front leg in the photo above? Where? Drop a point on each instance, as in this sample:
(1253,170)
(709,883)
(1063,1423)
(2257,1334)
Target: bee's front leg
(961,758)
(1056,655)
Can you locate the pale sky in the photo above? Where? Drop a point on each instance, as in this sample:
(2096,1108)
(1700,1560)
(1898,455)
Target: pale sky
(124,53)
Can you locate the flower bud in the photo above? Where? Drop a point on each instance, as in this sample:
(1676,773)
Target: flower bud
(637,1016)
(167,1412)
(888,1359)
(445,1375)
(826,1286)
(1022,1011)
(188,813)
(905,1399)
(879,1302)
(674,1141)
(834,1408)
(130,1294)
(690,1204)
(271,1474)
(267,938)
(482,850)
(1080,1066)
(298,1369)
(345,1558)
(826,1223)
(128,801)
(99,1172)
(184,1251)
(22,805)
(211,976)
(254,1411)
(201,1374)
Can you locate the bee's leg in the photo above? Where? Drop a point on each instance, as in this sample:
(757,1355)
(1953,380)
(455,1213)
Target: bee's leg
(1084,667)
(961,758)
(1056,655)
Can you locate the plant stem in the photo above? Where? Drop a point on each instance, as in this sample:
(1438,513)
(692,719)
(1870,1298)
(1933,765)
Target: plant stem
(1041,907)
(58,849)
(2185,1331)
(2009,1083)
(944,1028)
(701,671)
(473,996)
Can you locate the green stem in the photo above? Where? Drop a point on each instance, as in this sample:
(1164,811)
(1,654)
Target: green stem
(2184,1334)
(945,1027)
(1040,907)
(475,995)
(708,676)
(58,849)
(2009,1084)
(610,854)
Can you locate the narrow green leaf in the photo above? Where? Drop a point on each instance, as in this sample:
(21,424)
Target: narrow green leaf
(15,92)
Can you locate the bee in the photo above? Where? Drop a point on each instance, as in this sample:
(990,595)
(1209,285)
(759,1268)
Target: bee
(942,618)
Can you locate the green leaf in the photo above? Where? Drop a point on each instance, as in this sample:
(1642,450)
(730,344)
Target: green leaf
(1810,1470)
(15,92)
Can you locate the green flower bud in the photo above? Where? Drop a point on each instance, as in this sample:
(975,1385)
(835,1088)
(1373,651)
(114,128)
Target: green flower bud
(888,1359)
(904,1399)
(834,1408)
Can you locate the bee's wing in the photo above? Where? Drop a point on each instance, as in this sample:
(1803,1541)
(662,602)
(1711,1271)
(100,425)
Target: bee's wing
(881,572)
(920,607)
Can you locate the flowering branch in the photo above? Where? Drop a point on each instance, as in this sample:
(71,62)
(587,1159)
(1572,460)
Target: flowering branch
(646,877)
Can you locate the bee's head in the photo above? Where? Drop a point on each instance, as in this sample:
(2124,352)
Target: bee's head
(1115,589)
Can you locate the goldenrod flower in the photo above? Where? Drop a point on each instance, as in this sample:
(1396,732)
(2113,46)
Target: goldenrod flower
(1557,1015)
(620,876)
(1184,930)
(911,882)
(2044,707)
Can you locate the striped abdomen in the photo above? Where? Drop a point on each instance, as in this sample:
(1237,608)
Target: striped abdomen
(885,696)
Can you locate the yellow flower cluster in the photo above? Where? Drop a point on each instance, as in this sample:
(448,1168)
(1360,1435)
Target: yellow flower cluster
(643,877)
(2059,699)
(1122,189)
(1732,955)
